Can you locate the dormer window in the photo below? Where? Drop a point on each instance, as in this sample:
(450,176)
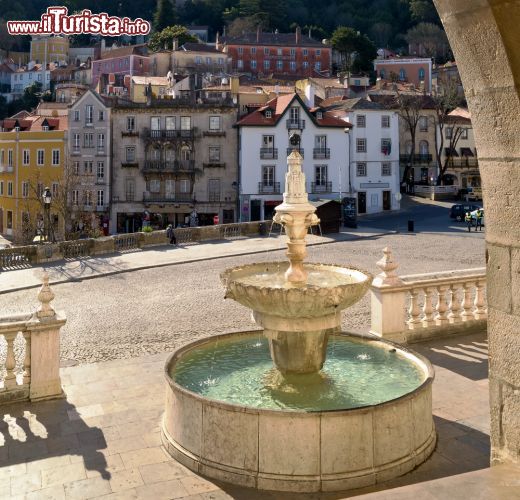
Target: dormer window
(268,114)
(319,115)
(17,129)
(45,128)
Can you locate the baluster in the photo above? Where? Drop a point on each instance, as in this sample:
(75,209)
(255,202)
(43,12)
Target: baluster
(467,305)
(480,304)
(10,362)
(455,304)
(414,321)
(442,306)
(27,359)
(428,308)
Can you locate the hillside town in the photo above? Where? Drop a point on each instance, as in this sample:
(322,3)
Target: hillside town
(123,136)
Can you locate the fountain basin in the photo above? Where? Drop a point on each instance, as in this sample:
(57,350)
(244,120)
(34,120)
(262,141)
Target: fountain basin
(300,447)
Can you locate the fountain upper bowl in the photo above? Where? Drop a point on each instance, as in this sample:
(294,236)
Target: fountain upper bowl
(263,288)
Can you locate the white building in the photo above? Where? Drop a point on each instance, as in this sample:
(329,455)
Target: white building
(26,76)
(264,145)
(374,158)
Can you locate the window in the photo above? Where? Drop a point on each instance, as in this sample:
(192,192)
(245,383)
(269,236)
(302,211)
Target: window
(318,52)
(361,169)
(170,123)
(240,50)
(89,112)
(10,217)
(130,154)
(184,186)
(292,65)
(214,189)
(155,123)
(424,148)
(101,170)
(266,51)
(76,115)
(421,74)
(169,188)
(361,145)
(449,132)
(100,198)
(253,64)
(386,169)
(10,158)
(185,122)
(320,141)
(361,121)
(386,146)
(305,64)
(317,65)
(320,175)
(402,75)
(382,74)
(129,189)
(279,52)
(279,65)
(88,140)
(267,64)
(268,141)
(76,141)
(88,198)
(40,157)
(220,61)
(88,167)
(101,141)
(319,115)
(10,188)
(2,157)
(25,189)
(55,157)
(26,157)
(294,115)
(268,114)
(75,197)
(130,123)
(240,64)
(253,51)
(385,121)
(423,124)
(214,154)
(76,168)
(305,52)
(55,187)
(214,122)
(464,133)
(101,115)
(268,176)
(293,52)
(198,60)
(154,186)
(1,188)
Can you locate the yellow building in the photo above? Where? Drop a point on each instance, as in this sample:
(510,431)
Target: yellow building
(45,48)
(140,85)
(32,157)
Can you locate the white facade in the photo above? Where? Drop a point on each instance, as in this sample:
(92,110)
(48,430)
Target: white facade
(263,163)
(374,172)
(22,79)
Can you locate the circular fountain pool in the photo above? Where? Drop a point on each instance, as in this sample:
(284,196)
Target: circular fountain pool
(364,418)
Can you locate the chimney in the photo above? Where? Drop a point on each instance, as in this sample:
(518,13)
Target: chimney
(175,45)
(298,35)
(258,33)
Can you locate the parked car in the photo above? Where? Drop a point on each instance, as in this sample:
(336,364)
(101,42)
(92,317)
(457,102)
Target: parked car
(458,212)
(474,217)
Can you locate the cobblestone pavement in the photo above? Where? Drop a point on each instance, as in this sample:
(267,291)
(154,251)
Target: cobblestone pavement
(155,310)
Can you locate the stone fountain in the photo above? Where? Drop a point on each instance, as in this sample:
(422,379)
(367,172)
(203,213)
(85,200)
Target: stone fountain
(335,412)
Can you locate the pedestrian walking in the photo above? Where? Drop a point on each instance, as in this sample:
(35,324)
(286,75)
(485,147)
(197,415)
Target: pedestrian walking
(468,220)
(479,220)
(170,233)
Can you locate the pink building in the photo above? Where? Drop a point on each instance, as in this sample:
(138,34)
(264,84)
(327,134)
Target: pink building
(117,63)
(416,70)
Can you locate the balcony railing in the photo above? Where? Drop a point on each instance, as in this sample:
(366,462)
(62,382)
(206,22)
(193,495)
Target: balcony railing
(185,165)
(290,150)
(417,158)
(321,153)
(167,197)
(295,124)
(214,164)
(128,164)
(322,187)
(269,153)
(273,188)
(463,162)
(214,133)
(169,166)
(169,134)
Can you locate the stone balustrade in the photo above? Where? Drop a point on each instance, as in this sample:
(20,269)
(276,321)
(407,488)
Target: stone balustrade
(421,306)
(30,352)
(25,256)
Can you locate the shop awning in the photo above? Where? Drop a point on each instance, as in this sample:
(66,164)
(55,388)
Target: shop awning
(466,152)
(451,152)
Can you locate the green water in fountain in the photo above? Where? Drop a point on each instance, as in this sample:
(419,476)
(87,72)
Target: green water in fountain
(356,373)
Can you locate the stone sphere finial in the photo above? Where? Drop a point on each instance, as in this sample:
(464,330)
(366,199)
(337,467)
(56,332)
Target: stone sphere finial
(388,266)
(45,296)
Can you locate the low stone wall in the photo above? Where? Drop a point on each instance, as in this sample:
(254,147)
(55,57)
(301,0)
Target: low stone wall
(25,256)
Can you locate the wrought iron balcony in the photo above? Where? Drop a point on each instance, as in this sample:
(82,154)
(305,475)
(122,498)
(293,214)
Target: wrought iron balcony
(185,165)
(169,134)
(321,153)
(295,124)
(321,187)
(214,164)
(272,188)
(168,166)
(290,150)
(464,162)
(167,197)
(269,153)
(417,158)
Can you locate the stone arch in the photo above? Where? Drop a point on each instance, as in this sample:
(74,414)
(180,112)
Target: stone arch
(484,38)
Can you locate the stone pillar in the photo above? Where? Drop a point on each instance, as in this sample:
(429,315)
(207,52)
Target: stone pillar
(44,329)
(484,40)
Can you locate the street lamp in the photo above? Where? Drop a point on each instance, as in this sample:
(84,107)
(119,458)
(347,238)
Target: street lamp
(47,199)
(347,131)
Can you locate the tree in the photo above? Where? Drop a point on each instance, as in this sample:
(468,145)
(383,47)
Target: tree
(428,39)
(356,50)
(423,11)
(457,129)
(164,38)
(241,25)
(164,15)
(381,33)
